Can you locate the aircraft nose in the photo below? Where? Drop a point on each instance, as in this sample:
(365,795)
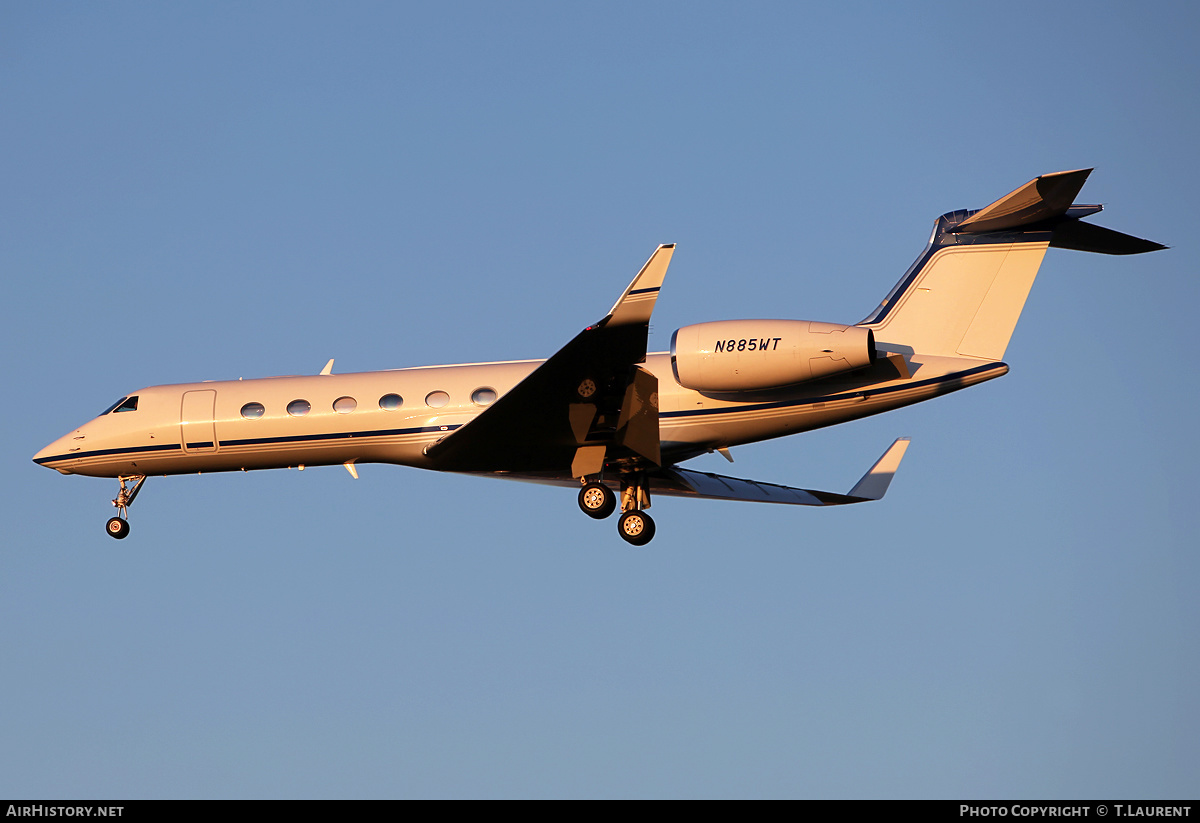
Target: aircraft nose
(61,452)
(42,456)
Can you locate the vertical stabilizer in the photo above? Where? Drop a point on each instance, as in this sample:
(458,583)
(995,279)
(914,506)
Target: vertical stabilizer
(964,294)
(964,301)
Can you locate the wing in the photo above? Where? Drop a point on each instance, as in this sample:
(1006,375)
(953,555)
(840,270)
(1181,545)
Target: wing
(873,485)
(589,402)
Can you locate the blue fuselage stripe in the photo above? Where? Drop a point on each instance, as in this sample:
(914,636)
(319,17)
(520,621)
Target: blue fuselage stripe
(300,438)
(257,441)
(103,452)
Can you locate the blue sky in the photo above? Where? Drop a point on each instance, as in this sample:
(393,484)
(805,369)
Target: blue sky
(212,191)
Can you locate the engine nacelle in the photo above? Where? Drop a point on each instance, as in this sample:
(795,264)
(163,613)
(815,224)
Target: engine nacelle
(747,355)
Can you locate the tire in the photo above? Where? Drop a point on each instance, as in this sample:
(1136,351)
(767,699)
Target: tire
(116,527)
(636,528)
(597,500)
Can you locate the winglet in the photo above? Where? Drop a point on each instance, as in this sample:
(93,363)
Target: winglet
(637,303)
(874,483)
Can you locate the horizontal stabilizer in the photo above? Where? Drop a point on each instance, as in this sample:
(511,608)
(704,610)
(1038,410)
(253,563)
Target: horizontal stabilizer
(873,485)
(1072,234)
(1045,203)
(1042,198)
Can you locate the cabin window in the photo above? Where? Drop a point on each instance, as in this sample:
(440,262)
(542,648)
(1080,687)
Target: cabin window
(299,408)
(345,405)
(483,397)
(128,404)
(436,399)
(391,402)
(253,411)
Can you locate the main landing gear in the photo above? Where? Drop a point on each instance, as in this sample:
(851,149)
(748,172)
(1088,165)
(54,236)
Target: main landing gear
(118,526)
(634,525)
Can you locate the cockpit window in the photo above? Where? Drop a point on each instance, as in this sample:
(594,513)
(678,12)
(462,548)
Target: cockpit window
(113,407)
(124,404)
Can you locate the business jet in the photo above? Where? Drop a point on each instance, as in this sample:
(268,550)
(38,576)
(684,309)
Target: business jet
(606,417)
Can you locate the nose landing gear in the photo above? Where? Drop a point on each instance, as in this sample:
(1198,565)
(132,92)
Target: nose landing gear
(118,526)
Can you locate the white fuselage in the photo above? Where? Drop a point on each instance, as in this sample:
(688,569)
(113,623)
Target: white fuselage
(602,414)
(200,427)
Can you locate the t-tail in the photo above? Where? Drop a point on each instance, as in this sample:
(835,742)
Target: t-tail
(964,294)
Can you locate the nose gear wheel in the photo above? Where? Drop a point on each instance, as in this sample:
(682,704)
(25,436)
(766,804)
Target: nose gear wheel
(116,527)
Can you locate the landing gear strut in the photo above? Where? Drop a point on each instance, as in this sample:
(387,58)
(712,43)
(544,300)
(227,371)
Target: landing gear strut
(634,525)
(118,526)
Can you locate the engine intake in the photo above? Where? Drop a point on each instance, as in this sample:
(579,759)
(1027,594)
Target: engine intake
(745,355)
